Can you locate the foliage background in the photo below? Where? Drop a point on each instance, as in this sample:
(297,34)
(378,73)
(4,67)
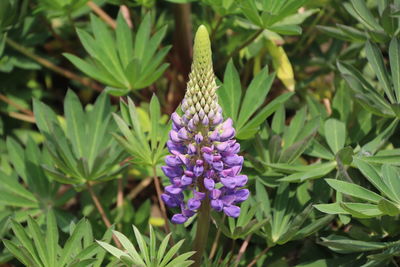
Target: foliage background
(86,87)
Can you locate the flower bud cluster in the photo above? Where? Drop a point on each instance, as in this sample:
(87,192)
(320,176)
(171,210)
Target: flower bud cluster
(204,156)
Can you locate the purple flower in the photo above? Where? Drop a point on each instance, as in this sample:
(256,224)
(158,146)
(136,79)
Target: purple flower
(209,170)
(204,160)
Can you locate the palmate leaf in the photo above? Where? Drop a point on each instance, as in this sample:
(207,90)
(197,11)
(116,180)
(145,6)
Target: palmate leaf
(34,246)
(85,149)
(146,146)
(150,254)
(244,112)
(122,61)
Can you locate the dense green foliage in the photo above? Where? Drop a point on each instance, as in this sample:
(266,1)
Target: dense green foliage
(86,90)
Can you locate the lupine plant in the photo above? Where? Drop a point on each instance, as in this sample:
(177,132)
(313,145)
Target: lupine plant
(279,148)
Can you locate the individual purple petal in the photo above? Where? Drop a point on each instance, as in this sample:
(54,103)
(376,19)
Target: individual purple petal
(236,170)
(227,134)
(207,149)
(192,149)
(172,171)
(187,212)
(199,195)
(228,199)
(217,118)
(208,158)
(241,195)
(232,211)
(189,173)
(233,160)
(228,123)
(214,136)
(205,121)
(217,204)
(172,161)
(218,165)
(241,180)
(229,182)
(184,159)
(172,146)
(209,184)
(186,180)
(217,157)
(183,134)
(176,119)
(223,146)
(198,138)
(215,194)
(193,204)
(173,190)
(178,219)
(173,135)
(170,201)
(198,170)
(192,125)
(176,181)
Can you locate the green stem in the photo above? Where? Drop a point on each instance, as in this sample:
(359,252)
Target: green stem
(203,225)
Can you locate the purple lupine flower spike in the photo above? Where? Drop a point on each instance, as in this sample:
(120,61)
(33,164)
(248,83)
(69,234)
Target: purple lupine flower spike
(204,158)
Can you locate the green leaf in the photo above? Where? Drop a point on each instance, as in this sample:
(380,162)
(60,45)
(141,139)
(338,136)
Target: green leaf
(144,251)
(249,9)
(25,241)
(364,15)
(128,246)
(296,125)
(388,207)
(361,210)
(380,139)
(354,190)
(39,241)
(394,57)
(335,134)
(252,127)
(349,245)
(155,114)
(255,95)
(317,171)
(75,120)
(52,238)
(373,177)
(72,242)
(124,41)
(391,178)
(375,58)
(142,37)
(331,208)
(230,92)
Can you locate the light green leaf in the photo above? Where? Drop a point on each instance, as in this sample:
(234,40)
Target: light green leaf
(335,134)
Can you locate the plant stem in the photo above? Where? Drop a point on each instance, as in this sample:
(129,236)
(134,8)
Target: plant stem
(253,262)
(101,211)
(237,50)
(46,63)
(216,241)
(22,117)
(16,105)
(138,188)
(160,201)
(120,194)
(103,15)
(242,250)
(203,225)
